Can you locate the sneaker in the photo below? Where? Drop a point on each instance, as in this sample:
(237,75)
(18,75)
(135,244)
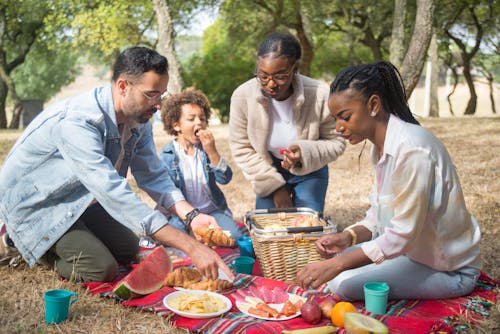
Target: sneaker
(9,255)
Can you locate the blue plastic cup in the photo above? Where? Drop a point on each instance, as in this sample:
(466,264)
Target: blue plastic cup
(376,294)
(57,304)
(243,264)
(246,247)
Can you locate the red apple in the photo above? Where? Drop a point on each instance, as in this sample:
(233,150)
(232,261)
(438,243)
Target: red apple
(311,313)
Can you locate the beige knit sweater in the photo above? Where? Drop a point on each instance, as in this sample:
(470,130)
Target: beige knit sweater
(250,123)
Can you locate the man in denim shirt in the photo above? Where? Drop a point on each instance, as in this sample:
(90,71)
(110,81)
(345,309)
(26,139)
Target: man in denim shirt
(65,199)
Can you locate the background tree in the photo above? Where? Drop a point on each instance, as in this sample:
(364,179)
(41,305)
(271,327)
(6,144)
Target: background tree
(219,68)
(414,59)
(397,47)
(166,45)
(434,79)
(464,23)
(171,14)
(21,24)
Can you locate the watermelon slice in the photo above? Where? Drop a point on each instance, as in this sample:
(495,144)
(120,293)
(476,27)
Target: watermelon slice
(147,277)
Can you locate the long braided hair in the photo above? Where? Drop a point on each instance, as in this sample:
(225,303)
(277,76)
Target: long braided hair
(380,78)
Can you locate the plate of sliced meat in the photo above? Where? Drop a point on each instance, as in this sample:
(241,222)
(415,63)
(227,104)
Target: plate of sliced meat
(268,304)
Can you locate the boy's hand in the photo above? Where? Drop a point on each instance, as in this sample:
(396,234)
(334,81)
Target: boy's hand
(208,142)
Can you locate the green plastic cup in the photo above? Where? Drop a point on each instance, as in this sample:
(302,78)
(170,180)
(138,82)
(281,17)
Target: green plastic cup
(243,264)
(376,294)
(57,304)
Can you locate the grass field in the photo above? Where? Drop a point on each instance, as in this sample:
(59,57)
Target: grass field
(473,142)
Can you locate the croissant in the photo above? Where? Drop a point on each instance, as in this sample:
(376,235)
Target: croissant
(214,236)
(210,285)
(182,276)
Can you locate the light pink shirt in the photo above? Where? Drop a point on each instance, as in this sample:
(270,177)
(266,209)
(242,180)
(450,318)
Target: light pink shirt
(417,205)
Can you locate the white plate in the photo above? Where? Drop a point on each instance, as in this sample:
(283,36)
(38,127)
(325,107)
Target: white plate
(197,315)
(244,306)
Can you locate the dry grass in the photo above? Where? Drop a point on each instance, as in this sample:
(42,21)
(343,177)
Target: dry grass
(474,144)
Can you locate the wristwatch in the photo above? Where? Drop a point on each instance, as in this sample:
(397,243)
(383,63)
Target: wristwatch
(190,216)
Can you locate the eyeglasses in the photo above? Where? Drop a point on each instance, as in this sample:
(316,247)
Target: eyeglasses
(152,97)
(279,78)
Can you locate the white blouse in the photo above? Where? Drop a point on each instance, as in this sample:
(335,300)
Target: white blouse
(417,205)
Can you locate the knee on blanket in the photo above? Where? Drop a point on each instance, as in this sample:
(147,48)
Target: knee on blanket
(346,288)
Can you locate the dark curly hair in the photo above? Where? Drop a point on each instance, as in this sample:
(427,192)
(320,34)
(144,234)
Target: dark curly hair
(172,107)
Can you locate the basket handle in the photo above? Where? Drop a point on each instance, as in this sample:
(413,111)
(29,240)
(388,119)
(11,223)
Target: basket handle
(304,229)
(276,210)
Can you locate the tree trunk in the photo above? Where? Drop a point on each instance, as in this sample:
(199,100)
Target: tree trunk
(3,98)
(166,45)
(455,83)
(397,48)
(433,55)
(16,115)
(373,43)
(471,105)
(11,88)
(414,59)
(490,78)
(304,36)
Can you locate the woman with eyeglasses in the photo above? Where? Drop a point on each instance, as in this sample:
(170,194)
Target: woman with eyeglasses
(280,130)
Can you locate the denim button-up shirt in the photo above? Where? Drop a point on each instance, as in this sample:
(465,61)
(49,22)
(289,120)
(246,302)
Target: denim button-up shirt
(65,159)
(222,174)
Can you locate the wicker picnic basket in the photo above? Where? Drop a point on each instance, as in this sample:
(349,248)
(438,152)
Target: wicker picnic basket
(281,248)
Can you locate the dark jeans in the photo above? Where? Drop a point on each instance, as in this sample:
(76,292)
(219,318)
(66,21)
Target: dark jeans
(307,190)
(93,247)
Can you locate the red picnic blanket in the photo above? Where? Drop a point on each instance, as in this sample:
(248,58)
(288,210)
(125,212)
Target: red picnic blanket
(403,316)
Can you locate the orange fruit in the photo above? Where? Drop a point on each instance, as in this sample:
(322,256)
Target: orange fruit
(338,312)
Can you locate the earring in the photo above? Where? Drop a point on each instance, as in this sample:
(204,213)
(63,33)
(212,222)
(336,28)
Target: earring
(373,114)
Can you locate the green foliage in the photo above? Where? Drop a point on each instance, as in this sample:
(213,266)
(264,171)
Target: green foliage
(218,69)
(103,28)
(45,71)
(335,53)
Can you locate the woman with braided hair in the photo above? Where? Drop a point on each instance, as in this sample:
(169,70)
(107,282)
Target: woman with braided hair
(417,234)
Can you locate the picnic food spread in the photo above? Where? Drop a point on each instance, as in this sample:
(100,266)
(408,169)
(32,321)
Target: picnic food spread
(190,278)
(268,304)
(357,323)
(147,277)
(214,236)
(197,303)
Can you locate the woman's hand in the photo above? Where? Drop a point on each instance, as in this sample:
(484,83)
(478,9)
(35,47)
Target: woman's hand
(291,157)
(332,244)
(315,274)
(282,198)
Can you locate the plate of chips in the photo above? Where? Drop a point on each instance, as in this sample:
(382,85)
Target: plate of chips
(197,304)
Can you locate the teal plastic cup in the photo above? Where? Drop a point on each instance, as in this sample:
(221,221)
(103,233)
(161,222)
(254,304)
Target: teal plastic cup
(246,247)
(376,294)
(57,304)
(243,264)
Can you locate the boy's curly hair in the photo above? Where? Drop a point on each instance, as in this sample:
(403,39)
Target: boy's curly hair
(172,107)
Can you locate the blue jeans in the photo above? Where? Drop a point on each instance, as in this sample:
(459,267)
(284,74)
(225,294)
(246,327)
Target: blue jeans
(407,279)
(225,221)
(307,191)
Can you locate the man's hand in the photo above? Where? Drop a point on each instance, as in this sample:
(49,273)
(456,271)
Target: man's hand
(203,220)
(208,262)
(203,257)
(282,198)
